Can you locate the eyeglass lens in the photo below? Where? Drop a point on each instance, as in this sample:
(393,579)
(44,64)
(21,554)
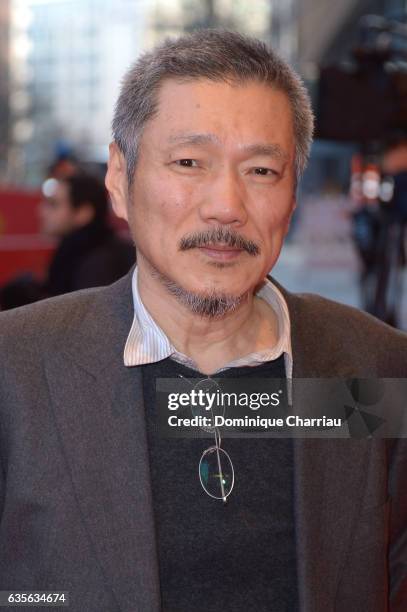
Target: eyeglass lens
(216,471)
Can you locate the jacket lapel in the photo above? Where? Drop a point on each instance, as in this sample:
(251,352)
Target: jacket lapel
(99,413)
(330,474)
(330,477)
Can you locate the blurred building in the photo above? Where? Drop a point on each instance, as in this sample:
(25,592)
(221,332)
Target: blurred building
(171,17)
(4,81)
(69,56)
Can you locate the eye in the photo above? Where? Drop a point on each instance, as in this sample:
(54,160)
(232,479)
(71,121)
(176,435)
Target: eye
(187,163)
(265,172)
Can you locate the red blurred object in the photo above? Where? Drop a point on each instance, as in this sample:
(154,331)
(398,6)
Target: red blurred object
(22,246)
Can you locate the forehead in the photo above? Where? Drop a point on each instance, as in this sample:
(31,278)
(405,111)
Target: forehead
(238,112)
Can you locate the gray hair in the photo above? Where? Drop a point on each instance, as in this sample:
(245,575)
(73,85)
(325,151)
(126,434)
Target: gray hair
(217,55)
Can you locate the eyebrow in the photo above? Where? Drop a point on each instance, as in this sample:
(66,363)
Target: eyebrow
(267,149)
(194,139)
(259,148)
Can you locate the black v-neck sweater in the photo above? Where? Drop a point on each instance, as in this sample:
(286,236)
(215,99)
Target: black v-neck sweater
(214,557)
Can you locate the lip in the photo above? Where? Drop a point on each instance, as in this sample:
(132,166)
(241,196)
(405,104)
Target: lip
(221,253)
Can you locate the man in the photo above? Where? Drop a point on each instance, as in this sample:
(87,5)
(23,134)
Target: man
(211,132)
(89,254)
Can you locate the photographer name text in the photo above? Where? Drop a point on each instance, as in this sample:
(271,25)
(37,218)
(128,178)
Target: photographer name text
(256,422)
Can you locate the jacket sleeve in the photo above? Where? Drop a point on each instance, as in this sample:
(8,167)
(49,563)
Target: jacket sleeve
(2,490)
(2,463)
(398,525)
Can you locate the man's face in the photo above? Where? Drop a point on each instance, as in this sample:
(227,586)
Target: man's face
(213,190)
(57,217)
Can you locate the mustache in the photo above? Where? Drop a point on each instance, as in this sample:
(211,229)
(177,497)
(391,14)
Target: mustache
(220,235)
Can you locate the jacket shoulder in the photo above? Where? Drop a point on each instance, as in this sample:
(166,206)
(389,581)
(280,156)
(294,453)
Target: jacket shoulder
(87,327)
(348,320)
(71,313)
(350,338)
(48,317)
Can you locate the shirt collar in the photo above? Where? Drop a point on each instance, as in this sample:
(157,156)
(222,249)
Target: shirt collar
(147,343)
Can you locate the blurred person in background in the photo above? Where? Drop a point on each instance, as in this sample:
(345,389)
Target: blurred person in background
(89,253)
(75,211)
(394,163)
(391,249)
(379,192)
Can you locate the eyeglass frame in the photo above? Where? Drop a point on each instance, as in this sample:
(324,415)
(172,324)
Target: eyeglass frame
(217,447)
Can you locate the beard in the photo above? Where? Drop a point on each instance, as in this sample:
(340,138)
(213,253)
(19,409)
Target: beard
(212,305)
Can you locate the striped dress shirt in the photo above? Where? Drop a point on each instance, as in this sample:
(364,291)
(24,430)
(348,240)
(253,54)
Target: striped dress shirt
(147,343)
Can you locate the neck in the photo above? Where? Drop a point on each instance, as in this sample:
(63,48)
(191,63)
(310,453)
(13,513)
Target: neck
(210,342)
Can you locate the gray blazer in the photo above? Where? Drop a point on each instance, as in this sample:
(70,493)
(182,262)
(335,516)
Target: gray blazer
(76,502)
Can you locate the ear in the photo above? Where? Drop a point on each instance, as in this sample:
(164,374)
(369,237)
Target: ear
(294,206)
(116,181)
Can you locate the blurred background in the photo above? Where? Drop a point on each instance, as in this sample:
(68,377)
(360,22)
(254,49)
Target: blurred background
(60,67)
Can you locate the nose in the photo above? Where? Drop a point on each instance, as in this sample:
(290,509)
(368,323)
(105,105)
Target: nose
(224,201)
